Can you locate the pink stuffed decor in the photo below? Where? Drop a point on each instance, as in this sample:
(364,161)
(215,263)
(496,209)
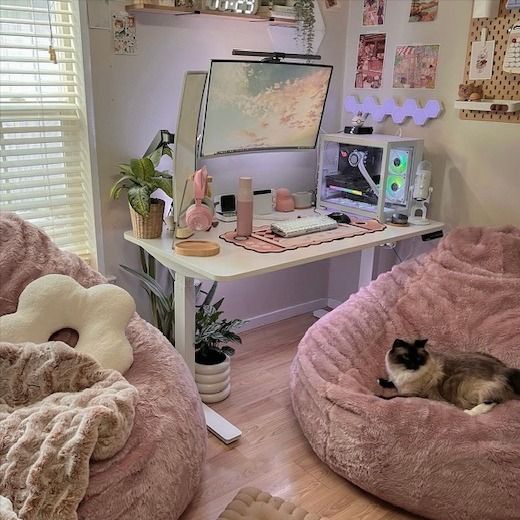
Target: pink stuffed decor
(427,457)
(157,472)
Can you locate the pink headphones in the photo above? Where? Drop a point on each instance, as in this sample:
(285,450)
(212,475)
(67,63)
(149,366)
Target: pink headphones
(199,216)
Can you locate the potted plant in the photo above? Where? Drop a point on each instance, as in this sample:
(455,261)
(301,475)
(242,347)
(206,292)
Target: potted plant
(212,351)
(212,334)
(304,10)
(140,178)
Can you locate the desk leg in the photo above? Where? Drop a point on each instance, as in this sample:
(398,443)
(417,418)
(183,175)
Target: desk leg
(366,275)
(185,319)
(185,345)
(366,267)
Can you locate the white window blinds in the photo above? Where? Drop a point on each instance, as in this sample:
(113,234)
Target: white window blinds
(44,155)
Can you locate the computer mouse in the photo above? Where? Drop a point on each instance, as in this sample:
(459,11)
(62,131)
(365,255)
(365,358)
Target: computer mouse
(400,219)
(340,218)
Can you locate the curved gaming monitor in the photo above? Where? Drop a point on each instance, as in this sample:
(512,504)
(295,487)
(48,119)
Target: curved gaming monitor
(260,106)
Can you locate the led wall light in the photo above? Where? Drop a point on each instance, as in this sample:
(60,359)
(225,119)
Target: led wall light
(399,113)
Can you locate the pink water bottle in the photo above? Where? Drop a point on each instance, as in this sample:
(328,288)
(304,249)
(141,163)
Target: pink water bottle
(245,207)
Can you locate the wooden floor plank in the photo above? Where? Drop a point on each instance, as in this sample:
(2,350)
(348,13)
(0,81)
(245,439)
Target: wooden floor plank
(273,453)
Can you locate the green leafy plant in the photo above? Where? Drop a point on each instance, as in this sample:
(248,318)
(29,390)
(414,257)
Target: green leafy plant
(213,333)
(210,330)
(304,10)
(161,297)
(141,179)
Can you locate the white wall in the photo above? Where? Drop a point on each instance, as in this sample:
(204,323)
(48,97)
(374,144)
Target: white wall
(134,96)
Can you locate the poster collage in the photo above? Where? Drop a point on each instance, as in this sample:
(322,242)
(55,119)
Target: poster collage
(415,66)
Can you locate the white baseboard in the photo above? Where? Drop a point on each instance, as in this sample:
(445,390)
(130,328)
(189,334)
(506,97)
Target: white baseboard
(284,313)
(332,303)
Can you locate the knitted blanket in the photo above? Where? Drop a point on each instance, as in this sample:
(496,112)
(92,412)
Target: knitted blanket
(58,408)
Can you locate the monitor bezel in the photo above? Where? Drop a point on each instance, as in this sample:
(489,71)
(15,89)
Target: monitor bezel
(261,149)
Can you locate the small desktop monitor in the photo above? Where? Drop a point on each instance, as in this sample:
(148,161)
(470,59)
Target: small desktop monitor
(260,106)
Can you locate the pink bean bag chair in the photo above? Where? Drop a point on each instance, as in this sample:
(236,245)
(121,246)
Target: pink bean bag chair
(157,473)
(427,457)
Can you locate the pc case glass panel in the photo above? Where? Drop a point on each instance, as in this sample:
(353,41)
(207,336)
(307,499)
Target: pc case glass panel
(399,164)
(343,182)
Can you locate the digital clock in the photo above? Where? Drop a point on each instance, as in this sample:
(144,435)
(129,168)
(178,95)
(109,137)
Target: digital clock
(235,6)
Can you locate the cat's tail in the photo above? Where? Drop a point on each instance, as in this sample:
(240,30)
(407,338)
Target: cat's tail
(513,378)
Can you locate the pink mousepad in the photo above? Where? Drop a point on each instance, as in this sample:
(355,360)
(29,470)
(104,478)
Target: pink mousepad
(263,240)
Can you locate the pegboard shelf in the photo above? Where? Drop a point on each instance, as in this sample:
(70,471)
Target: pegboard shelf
(503,85)
(502,106)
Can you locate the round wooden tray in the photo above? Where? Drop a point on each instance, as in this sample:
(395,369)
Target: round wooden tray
(197,248)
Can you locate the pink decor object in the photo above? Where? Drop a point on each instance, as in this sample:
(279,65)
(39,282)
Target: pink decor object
(157,472)
(428,457)
(245,207)
(199,216)
(284,200)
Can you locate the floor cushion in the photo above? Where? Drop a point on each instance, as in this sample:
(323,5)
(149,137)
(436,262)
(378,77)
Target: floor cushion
(157,472)
(427,457)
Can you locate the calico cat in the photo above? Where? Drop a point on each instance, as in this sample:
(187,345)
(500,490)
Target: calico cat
(475,382)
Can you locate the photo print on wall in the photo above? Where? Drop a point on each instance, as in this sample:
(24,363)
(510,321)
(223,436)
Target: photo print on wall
(374,12)
(124,33)
(415,66)
(370,60)
(481,64)
(423,10)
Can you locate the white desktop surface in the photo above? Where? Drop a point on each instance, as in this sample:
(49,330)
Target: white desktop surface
(235,262)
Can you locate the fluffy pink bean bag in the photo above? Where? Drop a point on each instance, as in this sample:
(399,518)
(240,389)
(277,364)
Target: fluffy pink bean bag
(157,472)
(427,457)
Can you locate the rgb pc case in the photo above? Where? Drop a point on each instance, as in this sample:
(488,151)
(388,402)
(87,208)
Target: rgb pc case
(368,175)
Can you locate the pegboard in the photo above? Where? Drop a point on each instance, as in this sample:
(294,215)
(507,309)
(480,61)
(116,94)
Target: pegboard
(502,85)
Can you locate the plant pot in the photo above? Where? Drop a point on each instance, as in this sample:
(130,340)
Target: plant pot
(150,226)
(213,381)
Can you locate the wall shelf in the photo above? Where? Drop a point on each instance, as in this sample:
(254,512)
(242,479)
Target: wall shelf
(490,105)
(144,7)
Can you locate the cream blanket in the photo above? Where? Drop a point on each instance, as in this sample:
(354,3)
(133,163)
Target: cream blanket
(58,409)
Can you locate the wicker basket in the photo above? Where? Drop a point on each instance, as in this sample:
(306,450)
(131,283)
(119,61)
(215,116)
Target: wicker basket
(150,226)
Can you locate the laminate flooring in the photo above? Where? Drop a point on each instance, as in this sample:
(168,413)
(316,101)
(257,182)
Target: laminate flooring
(273,454)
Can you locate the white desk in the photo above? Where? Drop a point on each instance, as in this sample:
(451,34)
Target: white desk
(234,263)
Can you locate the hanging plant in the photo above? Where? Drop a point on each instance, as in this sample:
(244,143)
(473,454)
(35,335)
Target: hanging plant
(304,10)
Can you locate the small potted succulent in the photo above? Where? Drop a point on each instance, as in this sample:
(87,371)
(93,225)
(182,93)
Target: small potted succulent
(212,352)
(140,178)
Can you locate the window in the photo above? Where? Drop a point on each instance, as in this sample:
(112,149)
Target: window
(44,155)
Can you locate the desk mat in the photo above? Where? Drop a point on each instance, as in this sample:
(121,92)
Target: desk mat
(263,240)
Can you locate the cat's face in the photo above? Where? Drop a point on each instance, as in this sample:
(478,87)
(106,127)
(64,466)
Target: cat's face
(408,356)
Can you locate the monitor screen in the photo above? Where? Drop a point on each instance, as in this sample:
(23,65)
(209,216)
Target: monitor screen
(254,106)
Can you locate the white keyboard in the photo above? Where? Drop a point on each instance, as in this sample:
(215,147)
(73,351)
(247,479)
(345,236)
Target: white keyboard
(303,226)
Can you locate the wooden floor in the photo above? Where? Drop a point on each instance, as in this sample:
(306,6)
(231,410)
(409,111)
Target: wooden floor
(273,454)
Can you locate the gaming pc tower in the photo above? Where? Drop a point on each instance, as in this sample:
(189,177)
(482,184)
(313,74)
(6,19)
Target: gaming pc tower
(368,175)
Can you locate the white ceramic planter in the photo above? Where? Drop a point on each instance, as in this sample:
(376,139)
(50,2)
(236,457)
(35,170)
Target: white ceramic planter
(213,381)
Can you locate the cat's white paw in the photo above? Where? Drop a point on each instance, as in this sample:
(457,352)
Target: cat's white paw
(480,409)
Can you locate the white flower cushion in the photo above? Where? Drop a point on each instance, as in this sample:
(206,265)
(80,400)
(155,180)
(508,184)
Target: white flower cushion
(99,314)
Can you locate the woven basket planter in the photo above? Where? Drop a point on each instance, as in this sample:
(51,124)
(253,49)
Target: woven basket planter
(150,226)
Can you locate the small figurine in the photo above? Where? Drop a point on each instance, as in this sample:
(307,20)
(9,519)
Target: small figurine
(470,92)
(357,122)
